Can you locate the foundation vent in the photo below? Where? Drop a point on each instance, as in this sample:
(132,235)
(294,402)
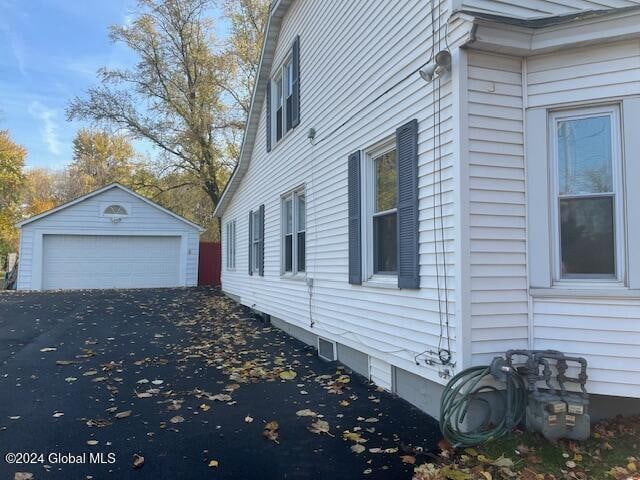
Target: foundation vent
(326,349)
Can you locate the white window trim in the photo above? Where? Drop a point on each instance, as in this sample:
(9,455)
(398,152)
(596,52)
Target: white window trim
(105,205)
(382,280)
(293,196)
(619,210)
(231,245)
(281,74)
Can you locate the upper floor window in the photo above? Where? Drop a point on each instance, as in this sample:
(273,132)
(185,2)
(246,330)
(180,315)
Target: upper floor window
(231,244)
(283,97)
(115,210)
(294,232)
(587,206)
(282,100)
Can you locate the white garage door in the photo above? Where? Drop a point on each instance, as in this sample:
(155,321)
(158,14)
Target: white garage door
(101,261)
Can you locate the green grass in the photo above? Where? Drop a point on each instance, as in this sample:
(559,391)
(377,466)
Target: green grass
(612,443)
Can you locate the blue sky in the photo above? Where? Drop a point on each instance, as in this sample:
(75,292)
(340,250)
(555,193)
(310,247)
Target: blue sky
(50,51)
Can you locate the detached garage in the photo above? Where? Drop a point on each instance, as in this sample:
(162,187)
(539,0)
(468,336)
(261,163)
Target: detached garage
(110,238)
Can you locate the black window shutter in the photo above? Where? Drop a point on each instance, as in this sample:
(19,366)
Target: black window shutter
(295,102)
(268,119)
(261,247)
(355,225)
(407,155)
(250,242)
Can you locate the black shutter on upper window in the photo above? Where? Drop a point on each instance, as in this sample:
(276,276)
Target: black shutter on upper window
(355,236)
(295,102)
(268,119)
(250,242)
(407,155)
(261,244)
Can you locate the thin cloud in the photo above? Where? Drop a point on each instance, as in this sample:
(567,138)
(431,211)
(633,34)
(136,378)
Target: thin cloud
(50,128)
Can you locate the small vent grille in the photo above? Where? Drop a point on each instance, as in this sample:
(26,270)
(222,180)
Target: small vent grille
(326,349)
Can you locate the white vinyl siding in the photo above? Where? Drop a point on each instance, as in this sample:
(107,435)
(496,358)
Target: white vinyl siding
(601,326)
(497,209)
(388,323)
(605,331)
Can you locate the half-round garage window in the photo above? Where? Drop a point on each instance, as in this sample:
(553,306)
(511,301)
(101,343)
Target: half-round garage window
(115,210)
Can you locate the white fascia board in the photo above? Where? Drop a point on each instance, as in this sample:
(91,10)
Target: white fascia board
(278,10)
(496,36)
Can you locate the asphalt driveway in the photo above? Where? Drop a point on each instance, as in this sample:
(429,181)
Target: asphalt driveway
(187,380)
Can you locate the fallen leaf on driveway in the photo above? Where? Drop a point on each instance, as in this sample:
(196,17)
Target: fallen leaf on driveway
(320,426)
(288,375)
(204,407)
(353,437)
(221,397)
(177,419)
(357,448)
(306,413)
(271,431)
(213,464)
(138,460)
(248,419)
(23,476)
(124,414)
(66,362)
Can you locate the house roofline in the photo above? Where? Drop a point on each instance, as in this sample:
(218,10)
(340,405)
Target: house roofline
(524,37)
(277,11)
(99,191)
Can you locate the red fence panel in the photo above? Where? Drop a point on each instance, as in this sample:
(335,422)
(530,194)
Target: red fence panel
(209,264)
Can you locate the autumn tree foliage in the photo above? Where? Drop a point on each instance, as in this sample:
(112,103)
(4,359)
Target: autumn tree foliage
(100,158)
(188,93)
(12,158)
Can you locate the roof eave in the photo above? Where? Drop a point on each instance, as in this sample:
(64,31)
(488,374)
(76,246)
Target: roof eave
(278,10)
(516,36)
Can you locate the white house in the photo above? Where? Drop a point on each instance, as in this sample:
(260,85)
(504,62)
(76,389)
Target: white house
(109,238)
(415,220)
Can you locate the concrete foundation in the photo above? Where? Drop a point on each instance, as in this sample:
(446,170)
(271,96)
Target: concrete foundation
(425,394)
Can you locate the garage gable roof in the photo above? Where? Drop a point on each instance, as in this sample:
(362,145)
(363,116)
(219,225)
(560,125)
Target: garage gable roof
(98,192)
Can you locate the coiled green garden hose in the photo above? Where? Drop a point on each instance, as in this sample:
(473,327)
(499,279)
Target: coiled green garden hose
(465,388)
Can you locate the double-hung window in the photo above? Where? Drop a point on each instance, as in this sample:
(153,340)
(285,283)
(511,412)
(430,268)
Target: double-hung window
(231,244)
(283,97)
(381,214)
(294,232)
(282,86)
(587,208)
(255,242)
